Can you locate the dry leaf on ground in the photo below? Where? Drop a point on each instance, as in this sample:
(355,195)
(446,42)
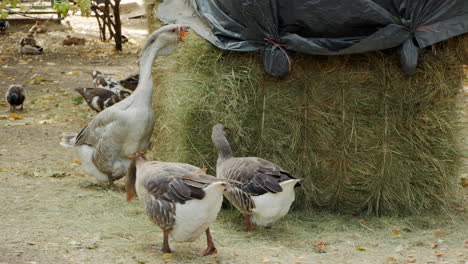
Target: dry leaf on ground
(321,244)
(14,116)
(438,233)
(396,233)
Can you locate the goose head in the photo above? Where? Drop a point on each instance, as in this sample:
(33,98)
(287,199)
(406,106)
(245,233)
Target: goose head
(166,39)
(95,74)
(218,131)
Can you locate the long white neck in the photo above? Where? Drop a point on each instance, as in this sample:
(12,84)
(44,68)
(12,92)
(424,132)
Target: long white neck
(144,91)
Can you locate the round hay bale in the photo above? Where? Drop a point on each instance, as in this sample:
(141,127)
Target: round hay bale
(365,137)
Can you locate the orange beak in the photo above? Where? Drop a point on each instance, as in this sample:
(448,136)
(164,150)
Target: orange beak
(129,197)
(182,33)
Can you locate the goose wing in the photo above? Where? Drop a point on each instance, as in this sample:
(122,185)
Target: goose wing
(98,98)
(259,176)
(101,125)
(179,183)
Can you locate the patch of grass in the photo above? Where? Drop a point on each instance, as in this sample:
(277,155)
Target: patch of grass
(366,138)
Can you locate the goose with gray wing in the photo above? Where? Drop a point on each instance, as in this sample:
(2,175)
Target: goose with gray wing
(105,143)
(266,191)
(15,97)
(180,198)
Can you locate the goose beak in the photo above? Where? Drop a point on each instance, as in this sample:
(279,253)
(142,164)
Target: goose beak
(183,32)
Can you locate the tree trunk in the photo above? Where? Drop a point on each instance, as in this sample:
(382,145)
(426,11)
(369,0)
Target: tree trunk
(117,26)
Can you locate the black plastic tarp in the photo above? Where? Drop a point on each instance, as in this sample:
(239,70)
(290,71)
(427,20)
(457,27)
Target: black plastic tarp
(330,27)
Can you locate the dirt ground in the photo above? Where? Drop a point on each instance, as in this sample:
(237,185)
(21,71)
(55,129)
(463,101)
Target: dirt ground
(51,212)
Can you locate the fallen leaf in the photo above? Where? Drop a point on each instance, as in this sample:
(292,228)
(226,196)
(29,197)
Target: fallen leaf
(58,175)
(434,245)
(391,260)
(167,255)
(31,243)
(3,170)
(361,248)
(411,259)
(14,116)
(321,244)
(266,259)
(78,100)
(438,233)
(466,243)
(438,253)
(77,161)
(396,233)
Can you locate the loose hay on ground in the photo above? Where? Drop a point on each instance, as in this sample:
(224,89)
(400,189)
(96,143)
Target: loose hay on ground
(365,137)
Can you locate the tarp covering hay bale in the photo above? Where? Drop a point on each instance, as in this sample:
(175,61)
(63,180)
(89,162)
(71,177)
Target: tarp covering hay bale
(366,137)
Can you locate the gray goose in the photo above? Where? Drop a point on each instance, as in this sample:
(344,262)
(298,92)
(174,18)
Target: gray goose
(180,198)
(15,97)
(28,44)
(4,25)
(265,192)
(105,143)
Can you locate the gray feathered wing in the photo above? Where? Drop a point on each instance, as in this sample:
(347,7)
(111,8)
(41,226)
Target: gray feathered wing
(256,176)
(174,185)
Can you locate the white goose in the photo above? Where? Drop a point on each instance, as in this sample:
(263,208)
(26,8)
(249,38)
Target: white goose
(180,198)
(266,191)
(105,144)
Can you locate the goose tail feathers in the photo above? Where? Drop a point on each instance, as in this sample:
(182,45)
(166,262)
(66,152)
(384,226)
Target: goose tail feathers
(68,140)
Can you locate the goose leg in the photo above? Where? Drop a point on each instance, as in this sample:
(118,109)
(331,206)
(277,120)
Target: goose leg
(248,224)
(210,249)
(21,109)
(166,248)
(111,182)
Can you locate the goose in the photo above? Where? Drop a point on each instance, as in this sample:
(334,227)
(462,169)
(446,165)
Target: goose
(4,25)
(29,45)
(31,50)
(266,191)
(105,143)
(15,96)
(99,99)
(130,82)
(105,82)
(69,41)
(180,198)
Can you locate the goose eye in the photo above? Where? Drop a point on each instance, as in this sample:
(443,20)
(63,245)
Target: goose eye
(173,30)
